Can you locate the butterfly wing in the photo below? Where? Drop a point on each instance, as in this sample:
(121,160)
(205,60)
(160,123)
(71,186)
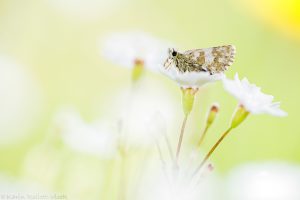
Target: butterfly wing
(214,59)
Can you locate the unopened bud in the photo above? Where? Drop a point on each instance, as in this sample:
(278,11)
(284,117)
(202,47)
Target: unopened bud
(239,116)
(210,167)
(212,114)
(137,70)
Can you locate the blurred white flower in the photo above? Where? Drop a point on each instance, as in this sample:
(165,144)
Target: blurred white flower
(20,101)
(191,79)
(95,138)
(85,9)
(265,181)
(138,109)
(177,185)
(251,97)
(128,48)
(157,125)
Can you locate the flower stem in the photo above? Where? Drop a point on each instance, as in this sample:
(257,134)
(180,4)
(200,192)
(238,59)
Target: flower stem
(202,136)
(162,160)
(211,151)
(169,147)
(181,137)
(160,153)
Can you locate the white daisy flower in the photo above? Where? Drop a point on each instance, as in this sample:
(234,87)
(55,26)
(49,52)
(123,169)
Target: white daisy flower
(251,97)
(94,138)
(130,48)
(191,79)
(264,181)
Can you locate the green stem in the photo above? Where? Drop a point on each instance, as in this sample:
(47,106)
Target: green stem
(211,151)
(181,137)
(202,136)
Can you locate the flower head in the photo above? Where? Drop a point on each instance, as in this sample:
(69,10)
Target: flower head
(129,48)
(95,138)
(191,79)
(251,97)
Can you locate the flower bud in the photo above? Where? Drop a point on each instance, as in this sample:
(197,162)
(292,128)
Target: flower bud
(239,116)
(137,70)
(212,114)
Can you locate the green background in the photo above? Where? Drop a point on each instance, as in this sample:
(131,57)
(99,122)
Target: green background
(63,53)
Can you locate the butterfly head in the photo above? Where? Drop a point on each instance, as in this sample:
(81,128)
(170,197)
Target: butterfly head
(171,58)
(172,53)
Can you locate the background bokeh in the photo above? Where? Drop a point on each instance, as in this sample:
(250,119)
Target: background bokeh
(55,47)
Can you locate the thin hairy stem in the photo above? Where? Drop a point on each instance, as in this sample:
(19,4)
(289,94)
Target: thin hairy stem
(181,137)
(211,151)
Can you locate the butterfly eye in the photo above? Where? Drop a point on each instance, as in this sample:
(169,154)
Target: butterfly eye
(174,53)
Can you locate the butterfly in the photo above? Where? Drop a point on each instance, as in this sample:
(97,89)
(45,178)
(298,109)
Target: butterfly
(212,60)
